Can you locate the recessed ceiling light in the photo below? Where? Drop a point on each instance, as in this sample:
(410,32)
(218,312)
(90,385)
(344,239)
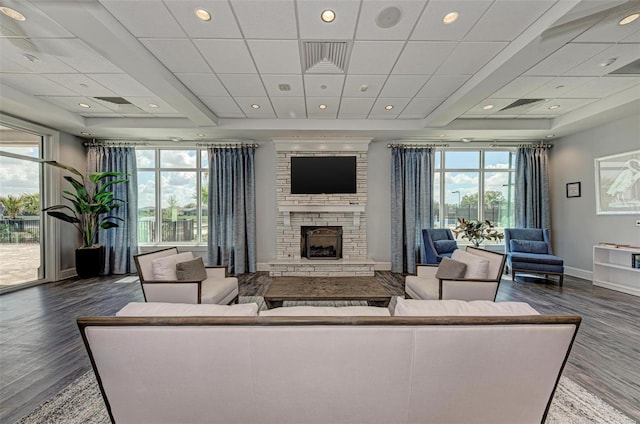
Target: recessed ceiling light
(175,139)
(153,105)
(442,135)
(608,62)
(31,58)
(200,135)
(255,106)
(487,107)
(628,19)
(12,13)
(328,16)
(323,106)
(550,135)
(84,105)
(465,140)
(554,107)
(450,18)
(363,88)
(84,133)
(203,15)
(388,107)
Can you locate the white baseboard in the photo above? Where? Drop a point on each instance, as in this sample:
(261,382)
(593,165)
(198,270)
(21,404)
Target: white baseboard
(577,272)
(383,266)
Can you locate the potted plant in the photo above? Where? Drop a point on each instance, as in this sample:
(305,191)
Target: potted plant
(90,205)
(477,231)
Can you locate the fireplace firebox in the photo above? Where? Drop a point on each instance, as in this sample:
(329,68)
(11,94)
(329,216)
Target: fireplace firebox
(321,242)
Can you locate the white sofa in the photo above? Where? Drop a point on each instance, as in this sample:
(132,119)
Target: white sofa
(481,281)
(160,284)
(346,369)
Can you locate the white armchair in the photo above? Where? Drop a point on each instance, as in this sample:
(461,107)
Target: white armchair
(480,281)
(160,284)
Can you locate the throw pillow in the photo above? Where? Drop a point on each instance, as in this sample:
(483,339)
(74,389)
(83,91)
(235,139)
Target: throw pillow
(477,267)
(164,269)
(529,246)
(450,268)
(191,270)
(445,246)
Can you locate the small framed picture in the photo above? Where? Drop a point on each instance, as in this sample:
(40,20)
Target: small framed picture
(573,189)
(635,260)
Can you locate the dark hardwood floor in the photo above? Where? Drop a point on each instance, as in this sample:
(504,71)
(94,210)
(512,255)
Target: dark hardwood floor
(41,351)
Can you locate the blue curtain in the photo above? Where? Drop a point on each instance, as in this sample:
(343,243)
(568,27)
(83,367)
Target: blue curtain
(120,243)
(232,208)
(411,205)
(531,198)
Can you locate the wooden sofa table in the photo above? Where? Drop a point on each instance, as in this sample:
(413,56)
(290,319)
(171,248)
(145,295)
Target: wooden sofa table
(326,289)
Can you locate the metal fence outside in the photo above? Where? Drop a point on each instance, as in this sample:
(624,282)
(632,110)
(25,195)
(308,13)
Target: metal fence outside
(180,230)
(19,230)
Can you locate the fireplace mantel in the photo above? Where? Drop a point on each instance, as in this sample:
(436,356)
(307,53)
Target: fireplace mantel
(286,210)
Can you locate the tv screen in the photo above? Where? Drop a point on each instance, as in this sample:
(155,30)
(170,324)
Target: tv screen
(323,174)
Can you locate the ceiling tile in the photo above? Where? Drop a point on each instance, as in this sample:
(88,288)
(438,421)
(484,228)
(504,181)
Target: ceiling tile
(223,107)
(143,103)
(353,86)
(78,55)
(605,86)
(557,87)
(15,49)
(149,18)
(311,26)
(177,55)
(8,65)
(121,84)
(243,85)
(378,110)
(403,85)
(272,84)
(608,30)
(373,12)
(566,58)
(622,53)
(430,26)
(566,105)
(73,104)
(37,23)
(468,58)
(442,85)
(420,107)
(519,87)
(314,111)
(374,57)
(222,24)
(226,56)
(498,104)
(323,85)
(265,110)
(355,108)
(36,85)
(80,84)
(205,84)
(278,21)
(289,107)
(276,56)
(505,20)
(423,57)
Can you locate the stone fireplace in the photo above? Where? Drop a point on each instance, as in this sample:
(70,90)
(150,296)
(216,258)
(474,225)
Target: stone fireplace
(321,242)
(299,212)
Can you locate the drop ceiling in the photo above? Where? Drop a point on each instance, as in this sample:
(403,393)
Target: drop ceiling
(271,68)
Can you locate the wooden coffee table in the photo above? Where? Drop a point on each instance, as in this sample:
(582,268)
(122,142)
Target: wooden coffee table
(326,288)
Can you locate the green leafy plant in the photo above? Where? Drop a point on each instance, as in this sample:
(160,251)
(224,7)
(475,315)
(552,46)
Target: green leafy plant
(12,205)
(477,231)
(90,204)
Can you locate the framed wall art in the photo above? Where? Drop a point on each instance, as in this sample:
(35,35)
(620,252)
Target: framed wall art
(573,189)
(618,184)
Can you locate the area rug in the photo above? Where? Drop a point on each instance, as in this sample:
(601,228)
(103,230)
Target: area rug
(81,403)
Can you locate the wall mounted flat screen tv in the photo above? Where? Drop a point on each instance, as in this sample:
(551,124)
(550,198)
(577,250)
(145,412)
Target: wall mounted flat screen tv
(323,174)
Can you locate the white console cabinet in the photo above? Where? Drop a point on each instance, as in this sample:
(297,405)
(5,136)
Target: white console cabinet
(612,269)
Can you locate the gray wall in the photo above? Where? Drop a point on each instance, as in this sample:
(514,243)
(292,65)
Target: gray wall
(576,227)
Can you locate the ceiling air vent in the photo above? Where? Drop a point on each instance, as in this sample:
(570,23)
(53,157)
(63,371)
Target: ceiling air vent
(119,104)
(521,105)
(632,68)
(325,57)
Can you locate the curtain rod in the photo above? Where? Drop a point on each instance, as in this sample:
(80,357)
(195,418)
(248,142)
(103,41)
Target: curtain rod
(232,145)
(540,146)
(107,143)
(409,146)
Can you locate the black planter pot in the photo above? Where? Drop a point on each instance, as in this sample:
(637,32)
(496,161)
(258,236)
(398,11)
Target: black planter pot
(89,261)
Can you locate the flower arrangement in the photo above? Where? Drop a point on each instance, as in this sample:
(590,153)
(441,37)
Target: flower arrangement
(477,231)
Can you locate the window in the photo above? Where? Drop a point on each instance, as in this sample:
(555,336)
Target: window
(172,195)
(473,184)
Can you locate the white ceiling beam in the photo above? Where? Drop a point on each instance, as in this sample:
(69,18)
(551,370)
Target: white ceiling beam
(94,25)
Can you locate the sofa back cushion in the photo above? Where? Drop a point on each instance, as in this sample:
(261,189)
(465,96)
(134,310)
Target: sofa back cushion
(164,269)
(477,267)
(326,311)
(445,246)
(529,246)
(428,308)
(160,309)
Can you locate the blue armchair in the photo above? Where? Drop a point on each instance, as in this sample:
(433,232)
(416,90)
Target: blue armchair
(438,242)
(529,251)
